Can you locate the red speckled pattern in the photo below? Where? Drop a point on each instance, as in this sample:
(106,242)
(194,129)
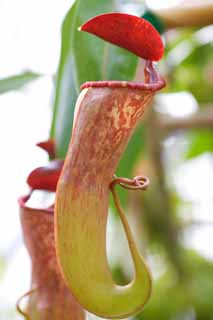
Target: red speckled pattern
(129,32)
(105,119)
(52,300)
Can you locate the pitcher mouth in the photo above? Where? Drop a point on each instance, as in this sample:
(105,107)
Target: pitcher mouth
(153,81)
(22,201)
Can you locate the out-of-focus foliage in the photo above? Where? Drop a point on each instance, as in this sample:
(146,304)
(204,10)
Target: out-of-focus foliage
(200,141)
(185,292)
(190,67)
(191,63)
(187,298)
(17,81)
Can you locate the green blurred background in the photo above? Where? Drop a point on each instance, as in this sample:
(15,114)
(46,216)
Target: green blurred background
(172,221)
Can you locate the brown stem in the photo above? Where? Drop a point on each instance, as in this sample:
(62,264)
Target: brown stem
(192,13)
(203,119)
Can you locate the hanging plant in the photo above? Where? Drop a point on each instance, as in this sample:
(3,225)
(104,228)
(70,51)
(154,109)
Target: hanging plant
(106,115)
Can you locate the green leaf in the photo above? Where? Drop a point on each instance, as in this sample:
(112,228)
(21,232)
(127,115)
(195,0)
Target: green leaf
(18,81)
(84,58)
(201,142)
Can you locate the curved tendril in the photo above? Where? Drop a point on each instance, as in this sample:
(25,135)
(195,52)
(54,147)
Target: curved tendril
(18,307)
(137,183)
